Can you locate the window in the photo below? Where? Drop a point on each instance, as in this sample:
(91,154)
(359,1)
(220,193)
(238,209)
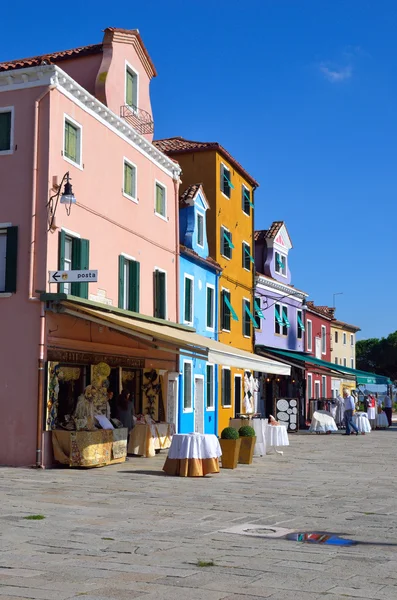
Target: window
(323,386)
(300,327)
(336,360)
(129,283)
(246,200)
(8,259)
(226,243)
(258,312)
(160,208)
(6,130)
(336,337)
(281,264)
(129,183)
(210,307)
(72,141)
(131,88)
(310,385)
(317,389)
(210,387)
(226,387)
(281,323)
(247,318)
(344,339)
(351,339)
(200,230)
(309,336)
(323,339)
(188,298)
(226,182)
(160,294)
(74,254)
(352,363)
(344,362)
(187,386)
(225,310)
(247,258)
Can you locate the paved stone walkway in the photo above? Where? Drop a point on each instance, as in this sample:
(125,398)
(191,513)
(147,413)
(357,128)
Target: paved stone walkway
(128,531)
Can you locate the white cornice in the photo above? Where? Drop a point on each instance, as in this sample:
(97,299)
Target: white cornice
(272,285)
(51,75)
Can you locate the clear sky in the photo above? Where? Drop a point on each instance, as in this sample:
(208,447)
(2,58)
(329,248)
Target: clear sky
(302,92)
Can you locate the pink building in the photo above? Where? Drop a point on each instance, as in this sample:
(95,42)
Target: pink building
(85,112)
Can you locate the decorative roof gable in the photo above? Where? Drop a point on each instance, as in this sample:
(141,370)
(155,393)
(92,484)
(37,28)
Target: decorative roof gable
(189,196)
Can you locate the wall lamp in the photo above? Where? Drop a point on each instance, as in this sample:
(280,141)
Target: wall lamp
(67,199)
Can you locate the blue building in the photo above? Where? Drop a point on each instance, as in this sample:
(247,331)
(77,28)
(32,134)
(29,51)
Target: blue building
(199,276)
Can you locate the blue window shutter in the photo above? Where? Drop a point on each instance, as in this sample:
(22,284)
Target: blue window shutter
(300,322)
(278,318)
(251,316)
(258,310)
(285,318)
(228,238)
(11,260)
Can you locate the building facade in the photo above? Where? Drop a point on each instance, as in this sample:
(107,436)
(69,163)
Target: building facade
(199,276)
(318,344)
(343,353)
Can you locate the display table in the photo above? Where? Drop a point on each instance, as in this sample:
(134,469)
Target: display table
(259,427)
(146,438)
(193,455)
(381,421)
(362,423)
(90,448)
(322,422)
(276,436)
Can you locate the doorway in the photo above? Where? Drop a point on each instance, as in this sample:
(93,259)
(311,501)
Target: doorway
(199,404)
(237,395)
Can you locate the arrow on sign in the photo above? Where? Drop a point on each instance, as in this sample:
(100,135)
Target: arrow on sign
(56,276)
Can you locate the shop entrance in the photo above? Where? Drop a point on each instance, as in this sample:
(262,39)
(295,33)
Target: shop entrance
(131,380)
(237,395)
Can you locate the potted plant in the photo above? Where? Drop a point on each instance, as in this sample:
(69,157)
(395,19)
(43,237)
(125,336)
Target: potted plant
(248,440)
(230,445)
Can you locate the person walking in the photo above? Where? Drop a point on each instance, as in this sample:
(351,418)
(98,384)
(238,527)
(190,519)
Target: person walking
(349,409)
(388,408)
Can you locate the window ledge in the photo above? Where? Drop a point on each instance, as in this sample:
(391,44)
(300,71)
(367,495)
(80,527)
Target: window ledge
(75,164)
(224,195)
(161,216)
(5,294)
(130,197)
(6,152)
(210,409)
(187,410)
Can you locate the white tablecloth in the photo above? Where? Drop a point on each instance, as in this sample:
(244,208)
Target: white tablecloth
(381,420)
(276,435)
(322,421)
(194,445)
(371,413)
(259,427)
(362,422)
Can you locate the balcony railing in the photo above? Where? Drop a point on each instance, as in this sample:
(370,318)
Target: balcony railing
(139,119)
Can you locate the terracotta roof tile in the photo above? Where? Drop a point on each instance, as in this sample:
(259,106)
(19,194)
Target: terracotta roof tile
(52,58)
(189,194)
(346,325)
(262,234)
(209,261)
(179,145)
(324,311)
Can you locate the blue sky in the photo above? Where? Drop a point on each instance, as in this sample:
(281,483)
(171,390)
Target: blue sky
(302,92)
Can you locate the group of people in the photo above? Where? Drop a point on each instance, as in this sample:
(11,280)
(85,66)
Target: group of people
(344,408)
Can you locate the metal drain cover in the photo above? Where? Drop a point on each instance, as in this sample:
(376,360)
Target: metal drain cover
(255,530)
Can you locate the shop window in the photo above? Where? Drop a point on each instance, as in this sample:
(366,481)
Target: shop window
(129,183)
(246,200)
(188,300)
(187,386)
(72,141)
(74,254)
(281,264)
(6,130)
(210,307)
(129,284)
(210,387)
(160,200)
(66,383)
(226,181)
(247,258)
(200,230)
(8,259)
(226,388)
(226,243)
(131,88)
(160,294)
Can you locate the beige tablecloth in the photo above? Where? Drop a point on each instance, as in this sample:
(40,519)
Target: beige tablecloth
(193,455)
(145,439)
(89,448)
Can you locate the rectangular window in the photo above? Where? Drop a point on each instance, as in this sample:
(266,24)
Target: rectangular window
(187,386)
(309,336)
(247,258)
(310,385)
(200,230)
(344,362)
(351,339)
(210,387)
(225,310)
(344,339)
(258,312)
(131,88)
(317,389)
(323,386)
(300,327)
(246,318)
(129,183)
(129,284)
(6,130)
(160,208)
(281,264)
(226,243)
(72,141)
(188,310)
(160,294)
(336,360)
(246,200)
(281,322)
(226,182)
(8,259)
(226,388)
(74,254)
(352,363)
(323,339)
(336,337)
(210,307)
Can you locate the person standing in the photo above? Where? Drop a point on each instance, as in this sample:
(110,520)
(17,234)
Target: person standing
(125,410)
(371,411)
(349,409)
(388,408)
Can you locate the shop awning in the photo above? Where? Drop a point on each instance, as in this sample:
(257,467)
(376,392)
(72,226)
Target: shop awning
(361,377)
(167,337)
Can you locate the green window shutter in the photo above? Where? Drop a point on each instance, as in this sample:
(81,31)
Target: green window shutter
(277,315)
(160,203)
(5,131)
(71,141)
(129,95)
(230,307)
(61,257)
(11,260)
(188,300)
(210,307)
(121,281)
(127,179)
(285,318)
(134,285)
(159,295)
(225,310)
(80,262)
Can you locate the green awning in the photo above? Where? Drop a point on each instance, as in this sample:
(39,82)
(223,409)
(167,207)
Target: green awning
(362,377)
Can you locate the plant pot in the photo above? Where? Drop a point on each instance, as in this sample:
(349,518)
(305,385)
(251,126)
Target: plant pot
(230,452)
(246,453)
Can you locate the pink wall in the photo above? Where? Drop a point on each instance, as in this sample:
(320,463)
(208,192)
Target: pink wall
(84,70)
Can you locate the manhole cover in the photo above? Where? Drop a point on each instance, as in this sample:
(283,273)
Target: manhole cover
(255,530)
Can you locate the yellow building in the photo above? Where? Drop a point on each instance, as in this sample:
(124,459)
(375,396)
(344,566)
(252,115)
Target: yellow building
(343,353)
(230,228)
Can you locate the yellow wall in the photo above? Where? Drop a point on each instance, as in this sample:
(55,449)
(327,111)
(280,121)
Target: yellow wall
(340,351)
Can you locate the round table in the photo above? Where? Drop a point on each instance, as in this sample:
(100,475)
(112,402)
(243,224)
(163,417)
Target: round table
(276,436)
(193,455)
(322,422)
(362,423)
(381,420)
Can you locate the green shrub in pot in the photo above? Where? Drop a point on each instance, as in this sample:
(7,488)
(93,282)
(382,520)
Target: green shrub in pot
(230,433)
(246,431)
